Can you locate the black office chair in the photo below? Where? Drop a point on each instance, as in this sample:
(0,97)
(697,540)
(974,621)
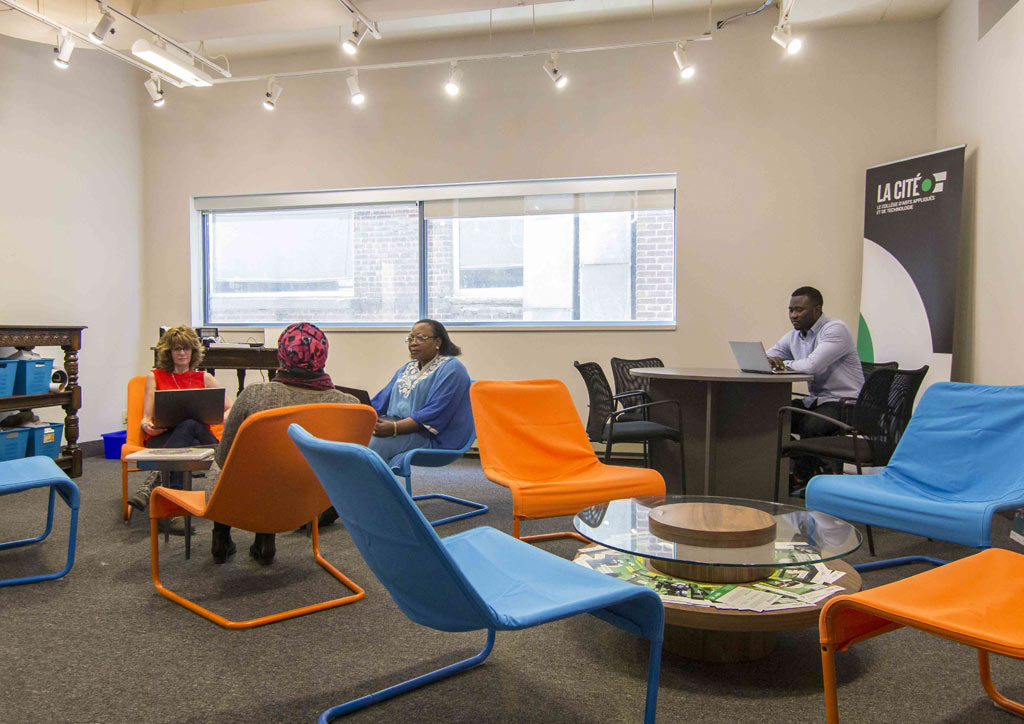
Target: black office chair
(608,425)
(630,389)
(877,421)
(869,368)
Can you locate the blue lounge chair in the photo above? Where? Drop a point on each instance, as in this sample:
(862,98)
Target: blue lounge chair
(960,461)
(478,579)
(436,458)
(41,472)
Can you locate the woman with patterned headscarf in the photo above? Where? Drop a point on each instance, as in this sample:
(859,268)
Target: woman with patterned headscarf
(300,380)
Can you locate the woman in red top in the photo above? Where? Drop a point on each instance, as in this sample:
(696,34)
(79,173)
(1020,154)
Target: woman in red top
(179,353)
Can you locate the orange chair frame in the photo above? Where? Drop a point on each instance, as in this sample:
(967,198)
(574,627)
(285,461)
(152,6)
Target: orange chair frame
(136,438)
(985,617)
(531,440)
(266,486)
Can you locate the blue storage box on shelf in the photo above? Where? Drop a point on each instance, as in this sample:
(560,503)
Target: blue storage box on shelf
(112,442)
(44,438)
(33,377)
(13,443)
(8,370)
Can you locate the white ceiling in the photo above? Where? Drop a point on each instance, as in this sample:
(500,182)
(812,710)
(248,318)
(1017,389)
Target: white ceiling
(247,28)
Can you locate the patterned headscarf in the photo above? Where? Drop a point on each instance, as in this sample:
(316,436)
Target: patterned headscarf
(302,354)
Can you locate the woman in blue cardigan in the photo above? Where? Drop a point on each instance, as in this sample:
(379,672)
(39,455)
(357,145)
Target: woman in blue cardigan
(426,403)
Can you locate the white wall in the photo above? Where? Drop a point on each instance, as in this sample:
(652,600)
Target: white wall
(981,103)
(71,211)
(770,152)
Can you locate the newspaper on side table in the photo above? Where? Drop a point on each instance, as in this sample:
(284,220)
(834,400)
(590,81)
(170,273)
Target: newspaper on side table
(791,587)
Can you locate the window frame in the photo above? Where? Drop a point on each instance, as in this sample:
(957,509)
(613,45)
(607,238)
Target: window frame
(202,208)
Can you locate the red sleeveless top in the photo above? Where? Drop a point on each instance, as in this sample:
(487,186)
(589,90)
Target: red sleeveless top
(191,380)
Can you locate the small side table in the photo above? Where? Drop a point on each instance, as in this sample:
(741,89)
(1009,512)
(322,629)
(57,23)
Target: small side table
(182,462)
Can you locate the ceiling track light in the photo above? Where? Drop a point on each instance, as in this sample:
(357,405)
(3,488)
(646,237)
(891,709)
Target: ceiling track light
(355,95)
(156,93)
(171,61)
(65,46)
(686,69)
(359,30)
(783,36)
(551,68)
(451,87)
(104,27)
(274,91)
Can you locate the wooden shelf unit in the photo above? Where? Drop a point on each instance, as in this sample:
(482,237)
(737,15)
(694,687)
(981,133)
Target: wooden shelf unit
(68,339)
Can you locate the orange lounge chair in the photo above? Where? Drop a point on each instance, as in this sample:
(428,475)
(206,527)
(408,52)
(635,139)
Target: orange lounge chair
(136,439)
(975,601)
(531,441)
(267,487)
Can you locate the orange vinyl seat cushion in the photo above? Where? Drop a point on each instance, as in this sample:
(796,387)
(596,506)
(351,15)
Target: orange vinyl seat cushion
(976,600)
(532,441)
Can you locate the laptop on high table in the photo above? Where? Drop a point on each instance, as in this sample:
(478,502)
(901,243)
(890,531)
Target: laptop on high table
(203,404)
(751,357)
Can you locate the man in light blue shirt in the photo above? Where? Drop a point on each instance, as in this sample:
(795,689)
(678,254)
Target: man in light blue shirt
(824,348)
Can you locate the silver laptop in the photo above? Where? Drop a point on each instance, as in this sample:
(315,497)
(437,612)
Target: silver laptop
(751,357)
(204,404)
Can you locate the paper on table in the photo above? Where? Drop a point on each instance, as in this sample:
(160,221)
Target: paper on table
(747,599)
(172,453)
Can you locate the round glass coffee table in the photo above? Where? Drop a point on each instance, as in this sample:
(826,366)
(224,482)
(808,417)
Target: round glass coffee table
(702,542)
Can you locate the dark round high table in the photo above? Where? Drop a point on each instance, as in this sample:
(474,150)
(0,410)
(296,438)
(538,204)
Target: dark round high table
(730,428)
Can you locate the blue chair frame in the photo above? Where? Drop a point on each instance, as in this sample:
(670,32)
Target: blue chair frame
(41,472)
(478,579)
(959,462)
(436,458)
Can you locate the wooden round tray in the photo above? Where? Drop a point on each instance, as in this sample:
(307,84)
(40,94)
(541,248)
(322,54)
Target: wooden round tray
(713,525)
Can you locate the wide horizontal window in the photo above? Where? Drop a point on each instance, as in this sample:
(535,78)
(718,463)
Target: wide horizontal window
(603,253)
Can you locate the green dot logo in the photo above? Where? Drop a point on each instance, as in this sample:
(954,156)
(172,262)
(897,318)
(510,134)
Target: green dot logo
(926,185)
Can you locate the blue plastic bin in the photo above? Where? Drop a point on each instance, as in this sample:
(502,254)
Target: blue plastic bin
(8,371)
(33,377)
(44,439)
(13,443)
(112,442)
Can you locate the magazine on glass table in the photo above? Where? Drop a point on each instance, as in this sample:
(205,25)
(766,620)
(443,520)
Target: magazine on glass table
(172,453)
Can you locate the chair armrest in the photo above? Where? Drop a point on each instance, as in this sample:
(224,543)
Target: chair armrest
(644,406)
(800,411)
(631,393)
(610,422)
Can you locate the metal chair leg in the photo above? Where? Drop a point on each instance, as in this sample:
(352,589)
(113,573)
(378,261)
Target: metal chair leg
(986,681)
(476,508)
(415,683)
(828,671)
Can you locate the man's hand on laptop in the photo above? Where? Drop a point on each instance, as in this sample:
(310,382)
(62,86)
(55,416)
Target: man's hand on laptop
(776,364)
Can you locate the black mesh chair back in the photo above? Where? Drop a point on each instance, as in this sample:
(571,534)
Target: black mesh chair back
(608,425)
(626,382)
(601,403)
(870,367)
(884,407)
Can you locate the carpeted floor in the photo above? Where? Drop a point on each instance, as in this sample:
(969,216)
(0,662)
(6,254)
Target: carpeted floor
(101,646)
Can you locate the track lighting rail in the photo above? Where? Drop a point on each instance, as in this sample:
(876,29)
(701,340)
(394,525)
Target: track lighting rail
(462,58)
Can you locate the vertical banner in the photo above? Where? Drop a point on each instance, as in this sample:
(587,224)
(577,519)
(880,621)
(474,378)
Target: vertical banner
(911,241)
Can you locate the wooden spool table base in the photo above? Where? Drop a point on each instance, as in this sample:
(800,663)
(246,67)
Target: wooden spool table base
(726,636)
